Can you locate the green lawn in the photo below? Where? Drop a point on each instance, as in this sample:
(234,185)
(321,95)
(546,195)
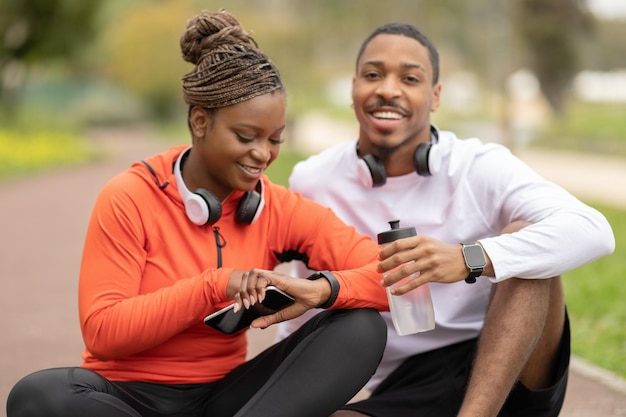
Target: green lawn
(596,299)
(588,127)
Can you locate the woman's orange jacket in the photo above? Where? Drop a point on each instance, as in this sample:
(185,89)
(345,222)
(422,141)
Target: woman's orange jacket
(149,275)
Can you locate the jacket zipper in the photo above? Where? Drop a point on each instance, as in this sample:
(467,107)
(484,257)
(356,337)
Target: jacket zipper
(220,242)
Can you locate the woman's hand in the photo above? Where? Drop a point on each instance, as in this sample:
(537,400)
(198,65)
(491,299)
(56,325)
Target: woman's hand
(307,294)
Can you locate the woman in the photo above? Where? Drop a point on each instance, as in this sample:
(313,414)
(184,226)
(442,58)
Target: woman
(184,233)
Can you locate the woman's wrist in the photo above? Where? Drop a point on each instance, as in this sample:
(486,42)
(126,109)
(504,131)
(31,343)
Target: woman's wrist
(329,300)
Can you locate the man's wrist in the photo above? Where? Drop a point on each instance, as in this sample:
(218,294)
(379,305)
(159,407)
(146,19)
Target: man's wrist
(475,260)
(334,287)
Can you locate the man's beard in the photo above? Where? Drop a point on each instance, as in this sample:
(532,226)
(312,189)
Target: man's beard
(385,151)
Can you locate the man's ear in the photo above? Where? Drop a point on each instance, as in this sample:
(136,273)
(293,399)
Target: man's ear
(434,105)
(199,120)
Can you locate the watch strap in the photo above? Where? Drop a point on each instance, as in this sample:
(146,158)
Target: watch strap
(471,278)
(334,287)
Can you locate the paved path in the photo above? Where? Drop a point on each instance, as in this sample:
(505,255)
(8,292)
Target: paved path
(43,224)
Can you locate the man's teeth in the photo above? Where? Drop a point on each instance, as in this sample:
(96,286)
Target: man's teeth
(387,115)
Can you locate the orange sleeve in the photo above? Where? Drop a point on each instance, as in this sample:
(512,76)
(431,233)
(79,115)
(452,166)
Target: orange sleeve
(117,318)
(352,257)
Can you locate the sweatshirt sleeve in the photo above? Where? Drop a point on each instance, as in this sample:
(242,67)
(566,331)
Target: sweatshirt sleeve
(117,316)
(330,244)
(565,233)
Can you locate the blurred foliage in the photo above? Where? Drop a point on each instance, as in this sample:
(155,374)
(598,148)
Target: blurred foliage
(28,152)
(141,53)
(131,70)
(36,31)
(551,30)
(604,49)
(589,127)
(280,170)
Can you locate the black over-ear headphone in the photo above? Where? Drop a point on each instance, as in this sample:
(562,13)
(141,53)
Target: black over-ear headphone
(425,164)
(204,208)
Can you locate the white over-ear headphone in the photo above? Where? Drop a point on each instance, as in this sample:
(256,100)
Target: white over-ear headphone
(204,208)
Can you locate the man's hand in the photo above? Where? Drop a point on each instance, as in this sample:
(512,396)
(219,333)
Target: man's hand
(435,261)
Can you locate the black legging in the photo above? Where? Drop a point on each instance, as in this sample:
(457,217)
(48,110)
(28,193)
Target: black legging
(313,372)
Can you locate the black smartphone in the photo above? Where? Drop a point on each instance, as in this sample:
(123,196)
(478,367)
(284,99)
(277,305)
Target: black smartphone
(227,321)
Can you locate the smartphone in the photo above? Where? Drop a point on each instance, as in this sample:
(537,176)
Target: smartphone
(227,321)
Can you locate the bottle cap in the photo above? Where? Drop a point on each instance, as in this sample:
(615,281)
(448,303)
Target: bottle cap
(395,233)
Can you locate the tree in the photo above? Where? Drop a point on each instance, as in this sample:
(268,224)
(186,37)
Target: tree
(33,31)
(551,30)
(140,51)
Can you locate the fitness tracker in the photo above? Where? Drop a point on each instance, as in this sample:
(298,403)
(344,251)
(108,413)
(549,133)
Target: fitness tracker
(474,259)
(334,287)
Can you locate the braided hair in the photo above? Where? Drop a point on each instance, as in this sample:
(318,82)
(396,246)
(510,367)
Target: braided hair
(229,67)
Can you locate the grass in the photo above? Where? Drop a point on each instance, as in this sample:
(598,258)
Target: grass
(595,296)
(279,171)
(589,127)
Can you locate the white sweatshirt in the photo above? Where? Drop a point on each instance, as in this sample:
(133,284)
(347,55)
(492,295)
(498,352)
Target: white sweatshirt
(479,189)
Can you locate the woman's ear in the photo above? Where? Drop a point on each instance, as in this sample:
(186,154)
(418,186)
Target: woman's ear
(198,121)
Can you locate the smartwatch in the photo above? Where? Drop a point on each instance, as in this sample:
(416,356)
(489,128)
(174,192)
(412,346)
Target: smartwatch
(334,286)
(474,260)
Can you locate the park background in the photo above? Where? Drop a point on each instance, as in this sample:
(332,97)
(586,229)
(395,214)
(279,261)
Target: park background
(531,74)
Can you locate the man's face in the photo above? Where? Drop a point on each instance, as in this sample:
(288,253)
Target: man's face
(393,94)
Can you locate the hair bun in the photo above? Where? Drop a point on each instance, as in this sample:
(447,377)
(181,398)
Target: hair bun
(208,31)
(229,67)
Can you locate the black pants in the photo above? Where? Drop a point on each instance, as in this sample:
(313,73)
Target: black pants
(313,372)
(433,383)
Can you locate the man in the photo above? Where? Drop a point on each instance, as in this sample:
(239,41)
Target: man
(501,344)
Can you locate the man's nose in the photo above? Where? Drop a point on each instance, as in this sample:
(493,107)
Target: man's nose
(389,88)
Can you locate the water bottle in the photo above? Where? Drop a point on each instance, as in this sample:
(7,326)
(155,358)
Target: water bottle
(413,311)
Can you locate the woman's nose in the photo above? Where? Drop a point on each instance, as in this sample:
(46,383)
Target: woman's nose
(261,153)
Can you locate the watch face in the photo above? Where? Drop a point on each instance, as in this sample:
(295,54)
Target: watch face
(474,256)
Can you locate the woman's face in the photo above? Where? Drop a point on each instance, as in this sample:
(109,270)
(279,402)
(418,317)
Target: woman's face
(234,145)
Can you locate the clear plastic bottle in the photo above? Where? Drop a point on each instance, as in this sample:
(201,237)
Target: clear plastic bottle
(411,312)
